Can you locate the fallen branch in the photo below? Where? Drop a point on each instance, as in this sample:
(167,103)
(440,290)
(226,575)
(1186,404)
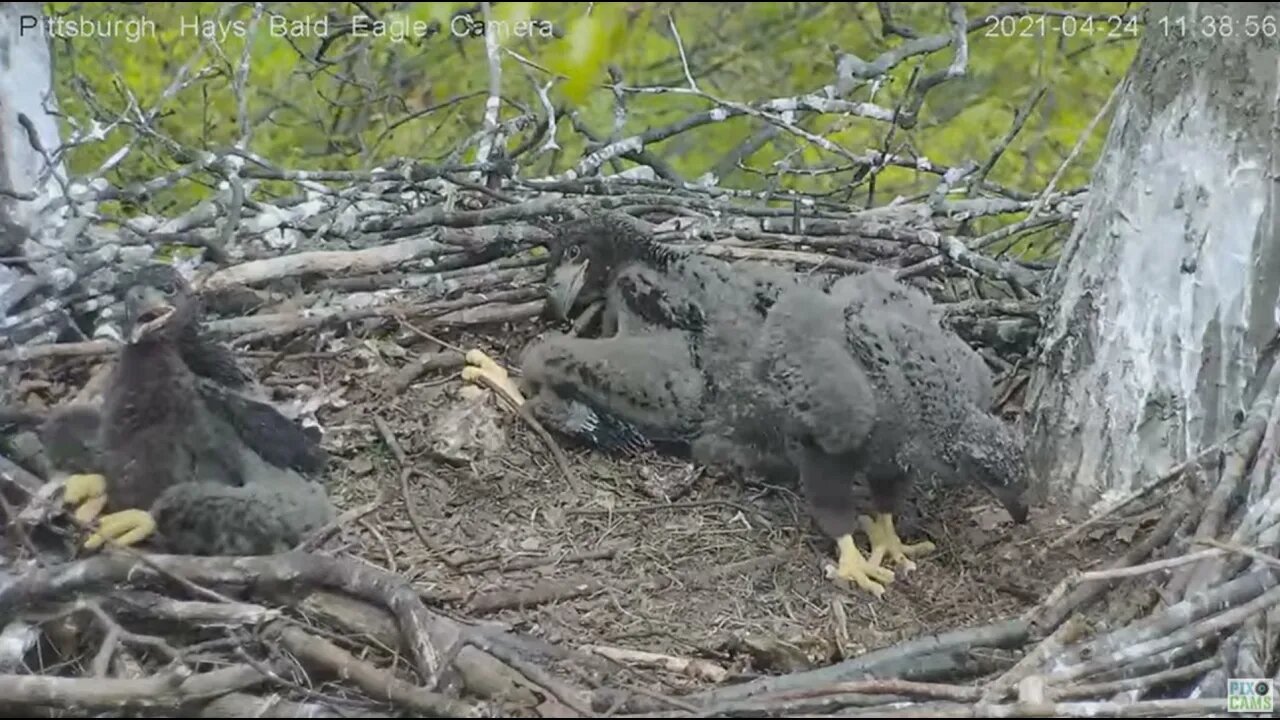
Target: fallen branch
(529,563)
(243,705)
(153,607)
(1182,637)
(446,360)
(933,655)
(166,690)
(1086,587)
(324,656)
(423,630)
(1144,682)
(483,675)
(692,667)
(1146,708)
(355,262)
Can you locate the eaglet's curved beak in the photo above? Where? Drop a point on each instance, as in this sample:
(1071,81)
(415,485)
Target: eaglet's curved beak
(564,287)
(148,311)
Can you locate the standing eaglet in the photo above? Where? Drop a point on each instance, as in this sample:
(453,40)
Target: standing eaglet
(861,394)
(179,455)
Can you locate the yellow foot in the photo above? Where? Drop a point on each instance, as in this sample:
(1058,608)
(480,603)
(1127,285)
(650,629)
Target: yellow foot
(482,369)
(127,527)
(886,543)
(89,492)
(855,568)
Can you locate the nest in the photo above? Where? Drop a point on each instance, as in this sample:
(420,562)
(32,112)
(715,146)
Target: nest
(480,569)
(470,576)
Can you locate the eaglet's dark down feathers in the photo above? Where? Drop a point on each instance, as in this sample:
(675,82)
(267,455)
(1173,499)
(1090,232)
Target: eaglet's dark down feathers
(178,454)
(862,394)
(665,313)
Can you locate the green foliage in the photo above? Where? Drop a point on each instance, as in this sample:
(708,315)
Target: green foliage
(361,99)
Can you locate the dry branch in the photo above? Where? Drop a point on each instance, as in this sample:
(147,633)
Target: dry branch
(244,705)
(330,659)
(933,656)
(483,675)
(540,594)
(693,667)
(326,263)
(121,694)
(424,631)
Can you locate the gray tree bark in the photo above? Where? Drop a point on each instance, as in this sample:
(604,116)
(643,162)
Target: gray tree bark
(29,138)
(31,175)
(1166,291)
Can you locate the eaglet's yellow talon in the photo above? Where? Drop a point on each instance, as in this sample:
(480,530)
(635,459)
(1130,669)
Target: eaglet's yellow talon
(79,488)
(90,509)
(855,568)
(885,542)
(127,527)
(88,491)
(482,369)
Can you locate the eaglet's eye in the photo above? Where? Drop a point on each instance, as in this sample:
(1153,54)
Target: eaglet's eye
(574,252)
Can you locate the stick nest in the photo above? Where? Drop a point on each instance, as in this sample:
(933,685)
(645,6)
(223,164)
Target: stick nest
(474,574)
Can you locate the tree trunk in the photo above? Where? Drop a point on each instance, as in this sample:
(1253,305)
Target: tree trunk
(27,178)
(1166,291)
(28,104)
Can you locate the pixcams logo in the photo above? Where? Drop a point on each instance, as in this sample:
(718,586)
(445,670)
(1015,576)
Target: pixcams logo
(1249,695)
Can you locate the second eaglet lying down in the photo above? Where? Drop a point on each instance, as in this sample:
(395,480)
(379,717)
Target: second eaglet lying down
(630,393)
(616,394)
(204,469)
(862,395)
(641,385)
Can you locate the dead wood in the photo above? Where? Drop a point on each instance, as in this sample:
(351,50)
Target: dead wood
(424,631)
(1144,708)
(355,262)
(329,659)
(118,695)
(483,675)
(244,705)
(1074,593)
(935,656)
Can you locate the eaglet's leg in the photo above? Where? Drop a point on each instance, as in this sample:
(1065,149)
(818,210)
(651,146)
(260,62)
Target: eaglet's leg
(853,567)
(833,496)
(886,543)
(88,492)
(890,484)
(126,527)
(69,438)
(482,369)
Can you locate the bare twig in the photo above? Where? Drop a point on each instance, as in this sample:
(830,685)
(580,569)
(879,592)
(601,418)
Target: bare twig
(378,684)
(116,694)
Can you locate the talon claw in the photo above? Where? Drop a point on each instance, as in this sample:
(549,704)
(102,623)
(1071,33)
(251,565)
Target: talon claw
(855,568)
(127,527)
(87,491)
(90,509)
(886,543)
(81,487)
(482,369)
